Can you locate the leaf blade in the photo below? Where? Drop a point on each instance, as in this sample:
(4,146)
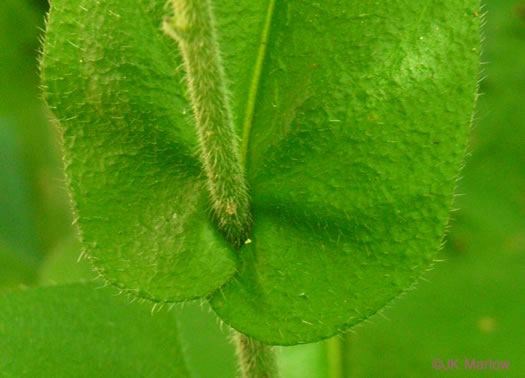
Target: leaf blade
(135,180)
(357,143)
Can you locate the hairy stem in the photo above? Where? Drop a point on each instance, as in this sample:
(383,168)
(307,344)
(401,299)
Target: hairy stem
(256,359)
(193,27)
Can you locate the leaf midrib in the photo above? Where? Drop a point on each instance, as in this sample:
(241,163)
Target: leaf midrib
(254,86)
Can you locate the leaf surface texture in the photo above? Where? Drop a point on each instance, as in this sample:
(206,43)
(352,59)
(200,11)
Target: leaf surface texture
(356,137)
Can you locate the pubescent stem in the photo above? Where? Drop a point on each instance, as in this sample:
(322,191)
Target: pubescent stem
(193,27)
(256,360)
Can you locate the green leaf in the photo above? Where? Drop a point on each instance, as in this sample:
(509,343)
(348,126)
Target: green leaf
(472,305)
(353,119)
(357,140)
(81,331)
(129,150)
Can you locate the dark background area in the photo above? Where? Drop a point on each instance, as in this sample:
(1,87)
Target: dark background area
(470,306)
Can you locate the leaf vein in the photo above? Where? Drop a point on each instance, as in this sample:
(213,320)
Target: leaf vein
(254,86)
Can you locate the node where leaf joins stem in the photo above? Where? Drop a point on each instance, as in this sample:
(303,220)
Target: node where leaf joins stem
(193,27)
(256,360)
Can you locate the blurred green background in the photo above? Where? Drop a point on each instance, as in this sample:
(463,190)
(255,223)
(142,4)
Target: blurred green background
(470,306)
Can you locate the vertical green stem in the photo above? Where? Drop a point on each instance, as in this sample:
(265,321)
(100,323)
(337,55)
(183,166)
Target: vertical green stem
(334,358)
(338,356)
(193,27)
(256,359)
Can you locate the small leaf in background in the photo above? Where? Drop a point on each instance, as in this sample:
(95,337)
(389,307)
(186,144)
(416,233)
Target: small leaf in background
(79,330)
